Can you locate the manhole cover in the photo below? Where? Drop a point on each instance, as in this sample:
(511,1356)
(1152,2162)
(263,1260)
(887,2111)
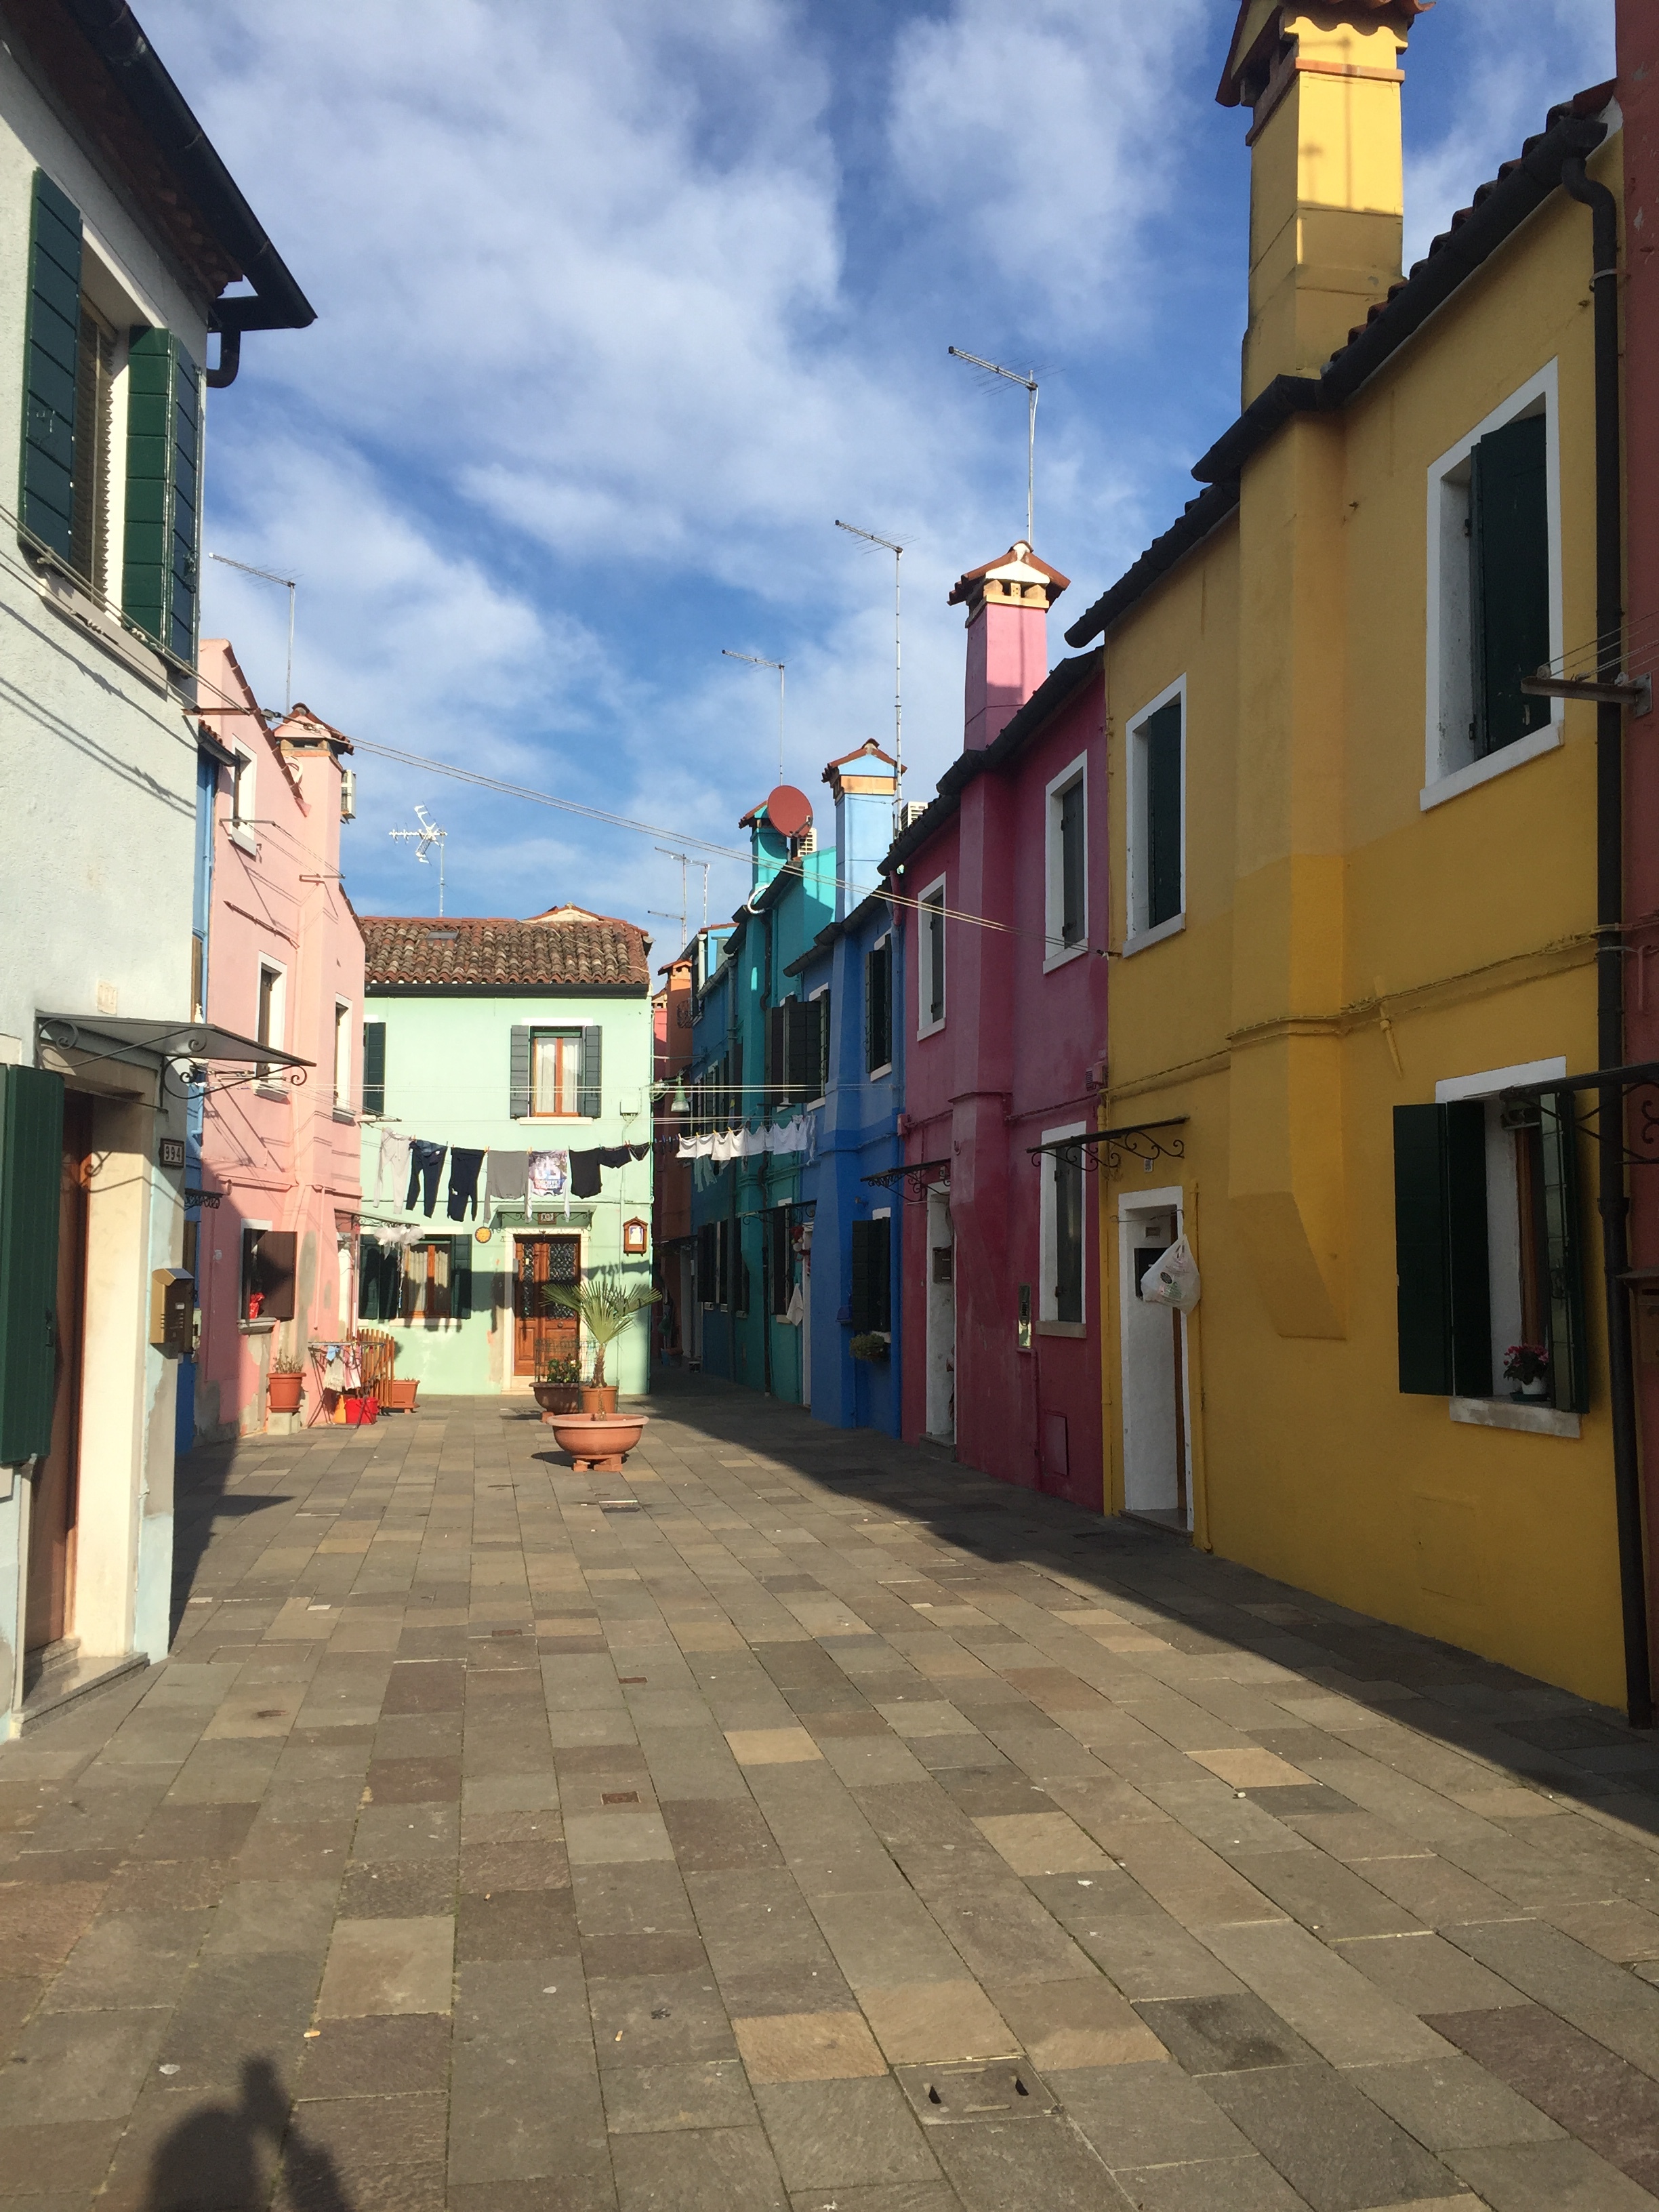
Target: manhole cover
(1004,2089)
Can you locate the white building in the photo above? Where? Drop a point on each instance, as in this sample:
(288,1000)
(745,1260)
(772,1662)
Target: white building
(119,230)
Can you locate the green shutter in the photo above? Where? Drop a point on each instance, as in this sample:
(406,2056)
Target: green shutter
(589,1091)
(1161,734)
(460,1277)
(161,551)
(518,1074)
(374,1067)
(31,1178)
(878,1006)
(1068,1236)
(52,326)
(1558,1144)
(1422,1268)
(1071,865)
(1464,1126)
(1510,556)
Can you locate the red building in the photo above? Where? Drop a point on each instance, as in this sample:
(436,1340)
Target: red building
(1005,983)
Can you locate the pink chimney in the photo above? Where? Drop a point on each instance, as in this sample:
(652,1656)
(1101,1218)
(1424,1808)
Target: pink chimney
(1008,602)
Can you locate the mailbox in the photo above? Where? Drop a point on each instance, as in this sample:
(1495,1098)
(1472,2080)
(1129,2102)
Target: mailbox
(173,1312)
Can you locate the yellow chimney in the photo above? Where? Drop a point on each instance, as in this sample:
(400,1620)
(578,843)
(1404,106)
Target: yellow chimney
(1326,194)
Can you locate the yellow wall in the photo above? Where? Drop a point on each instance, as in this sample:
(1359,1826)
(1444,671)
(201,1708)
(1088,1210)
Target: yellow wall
(1314,879)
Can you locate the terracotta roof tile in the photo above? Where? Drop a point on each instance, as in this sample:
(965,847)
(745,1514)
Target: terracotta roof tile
(565,950)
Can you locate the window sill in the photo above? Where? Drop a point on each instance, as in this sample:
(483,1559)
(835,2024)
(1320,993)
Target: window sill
(1144,938)
(260,1327)
(1547,740)
(277,1090)
(875,1074)
(929,1029)
(77,607)
(1510,1414)
(244,838)
(1062,959)
(344,1113)
(1075,1329)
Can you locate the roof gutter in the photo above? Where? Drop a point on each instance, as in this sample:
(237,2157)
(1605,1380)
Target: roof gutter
(275,303)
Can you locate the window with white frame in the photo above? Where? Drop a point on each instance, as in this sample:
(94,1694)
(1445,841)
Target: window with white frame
(241,796)
(342,1054)
(1156,824)
(556,1071)
(272,1014)
(878,1006)
(1060,1293)
(1065,868)
(1494,593)
(930,970)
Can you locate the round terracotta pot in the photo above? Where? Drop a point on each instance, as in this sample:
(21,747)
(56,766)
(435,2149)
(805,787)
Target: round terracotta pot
(598,1397)
(557,1399)
(285,1392)
(598,1442)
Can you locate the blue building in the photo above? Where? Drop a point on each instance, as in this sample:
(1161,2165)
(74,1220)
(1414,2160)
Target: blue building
(797,1251)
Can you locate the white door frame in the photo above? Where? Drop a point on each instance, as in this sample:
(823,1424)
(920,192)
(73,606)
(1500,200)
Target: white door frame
(1133,1207)
(939,1411)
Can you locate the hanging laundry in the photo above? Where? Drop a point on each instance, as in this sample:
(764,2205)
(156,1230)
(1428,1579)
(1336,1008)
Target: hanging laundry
(722,1145)
(584,1173)
(796,1312)
(639,1151)
(614,1156)
(507,1178)
(465,1164)
(392,1164)
(694,1148)
(424,1161)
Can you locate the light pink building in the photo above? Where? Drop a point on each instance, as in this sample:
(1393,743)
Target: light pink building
(283,964)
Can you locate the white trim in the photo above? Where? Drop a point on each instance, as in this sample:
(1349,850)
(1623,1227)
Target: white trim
(1507,1413)
(1136,936)
(924,1027)
(344,1059)
(1449,672)
(279,1002)
(1056,953)
(1049,1236)
(1492,1080)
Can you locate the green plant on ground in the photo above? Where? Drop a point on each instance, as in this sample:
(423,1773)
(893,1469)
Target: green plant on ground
(605,1303)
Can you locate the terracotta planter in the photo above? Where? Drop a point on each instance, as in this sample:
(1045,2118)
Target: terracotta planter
(598,1397)
(557,1399)
(599,1443)
(398,1397)
(285,1390)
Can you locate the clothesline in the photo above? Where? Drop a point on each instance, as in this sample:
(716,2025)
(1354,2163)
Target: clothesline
(512,1177)
(744,1143)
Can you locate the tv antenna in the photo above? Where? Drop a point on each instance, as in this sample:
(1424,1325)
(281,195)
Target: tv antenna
(1030,385)
(897,552)
(755,660)
(290,586)
(685,862)
(425,838)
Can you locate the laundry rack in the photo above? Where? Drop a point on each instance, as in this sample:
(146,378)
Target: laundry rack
(365,1357)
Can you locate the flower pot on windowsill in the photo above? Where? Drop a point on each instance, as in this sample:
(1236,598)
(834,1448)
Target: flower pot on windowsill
(1534,1391)
(285,1392)
(871,1347)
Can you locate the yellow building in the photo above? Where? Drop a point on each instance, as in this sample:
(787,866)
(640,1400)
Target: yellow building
(1354,901)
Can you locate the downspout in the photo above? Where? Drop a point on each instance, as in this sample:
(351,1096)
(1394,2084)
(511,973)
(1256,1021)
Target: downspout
(765,1179)
(1613,1203)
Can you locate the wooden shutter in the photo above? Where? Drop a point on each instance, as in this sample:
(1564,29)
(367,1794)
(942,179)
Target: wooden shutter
(933,919)
(1068,1238)
(867,1305)
(797,1049)
(1559,1145)
(460,1277)
(1464,1126)
(163,505)
(1071,865)
(50,358)
(518,1074)
(1510,557)
(374,1067)
(273,1274)
(31,1179)
(1162,737)
(878,1006)
(589,1088)
(817,1043)
(1422,1269)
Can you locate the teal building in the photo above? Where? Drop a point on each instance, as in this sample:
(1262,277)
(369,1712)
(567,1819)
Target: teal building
(514,1040)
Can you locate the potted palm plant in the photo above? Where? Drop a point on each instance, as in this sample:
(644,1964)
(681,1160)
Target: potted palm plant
(605,1303)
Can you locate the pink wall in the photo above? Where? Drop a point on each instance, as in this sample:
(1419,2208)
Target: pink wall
(1638,100)
(1010,1062)
(284,1155)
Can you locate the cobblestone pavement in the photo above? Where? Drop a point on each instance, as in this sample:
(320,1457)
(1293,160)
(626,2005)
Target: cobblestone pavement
(800,1821)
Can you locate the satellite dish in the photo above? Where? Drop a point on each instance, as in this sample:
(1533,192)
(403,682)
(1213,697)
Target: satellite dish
(789,810)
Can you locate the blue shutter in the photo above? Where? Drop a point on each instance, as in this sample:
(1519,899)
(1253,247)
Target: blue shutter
(589,1091)
(31,1179)
(50,359)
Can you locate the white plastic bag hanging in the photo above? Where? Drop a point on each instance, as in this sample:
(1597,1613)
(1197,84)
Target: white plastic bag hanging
(1172,1278)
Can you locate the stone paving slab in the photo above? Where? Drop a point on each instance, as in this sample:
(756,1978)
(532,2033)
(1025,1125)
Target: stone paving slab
(799,1823)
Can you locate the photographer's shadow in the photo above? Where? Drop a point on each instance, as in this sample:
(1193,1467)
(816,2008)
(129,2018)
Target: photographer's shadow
(220,2158)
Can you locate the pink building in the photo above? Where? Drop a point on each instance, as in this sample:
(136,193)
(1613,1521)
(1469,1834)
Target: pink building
(282,963)
(1007,1034)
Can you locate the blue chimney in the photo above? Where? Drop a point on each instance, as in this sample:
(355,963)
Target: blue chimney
(865,785)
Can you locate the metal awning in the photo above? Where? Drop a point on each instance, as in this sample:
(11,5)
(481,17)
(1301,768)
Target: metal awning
(916,1178)
(172,1040)
(1141,1140)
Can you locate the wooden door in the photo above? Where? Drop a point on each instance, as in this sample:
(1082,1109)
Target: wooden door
(52,1510)
(542,1330)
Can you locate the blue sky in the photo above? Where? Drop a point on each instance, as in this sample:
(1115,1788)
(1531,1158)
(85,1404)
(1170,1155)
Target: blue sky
(619,306)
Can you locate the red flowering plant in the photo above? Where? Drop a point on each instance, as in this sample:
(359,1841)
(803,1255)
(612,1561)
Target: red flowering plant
(1526,1363)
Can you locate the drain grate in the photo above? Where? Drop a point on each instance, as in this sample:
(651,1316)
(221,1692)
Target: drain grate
(1003,2089)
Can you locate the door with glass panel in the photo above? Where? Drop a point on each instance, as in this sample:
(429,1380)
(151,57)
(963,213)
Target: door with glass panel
(542,1330)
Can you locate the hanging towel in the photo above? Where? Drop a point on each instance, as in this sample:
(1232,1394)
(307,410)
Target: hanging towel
(508,1178)
(721,1145)
(584,1173)
(392,1165)
(425,1160)
(464,1166)
(796,1312)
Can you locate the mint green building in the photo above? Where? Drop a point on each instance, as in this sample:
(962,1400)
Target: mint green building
(504,1038)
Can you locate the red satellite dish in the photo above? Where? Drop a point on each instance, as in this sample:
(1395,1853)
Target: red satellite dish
(789,810)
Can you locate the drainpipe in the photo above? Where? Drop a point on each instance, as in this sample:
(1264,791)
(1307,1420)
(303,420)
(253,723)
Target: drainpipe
(1614,1205)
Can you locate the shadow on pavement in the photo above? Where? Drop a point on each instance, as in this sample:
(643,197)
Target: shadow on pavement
(218,2160)
(199,1483)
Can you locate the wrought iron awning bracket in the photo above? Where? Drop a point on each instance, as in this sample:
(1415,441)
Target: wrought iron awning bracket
(1140,1140)
(917,1178)
(1641,1075)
